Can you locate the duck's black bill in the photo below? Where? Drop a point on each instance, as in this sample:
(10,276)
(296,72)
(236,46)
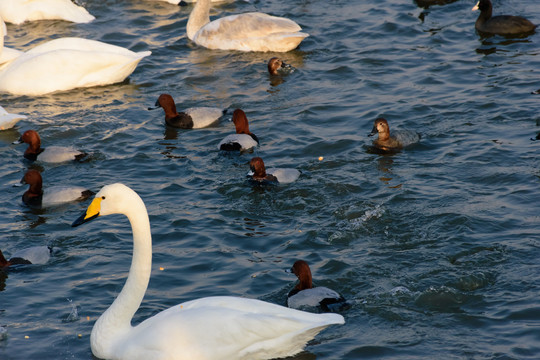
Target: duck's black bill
(82,219)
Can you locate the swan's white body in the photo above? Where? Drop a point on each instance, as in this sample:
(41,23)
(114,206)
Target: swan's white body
(207,328)
(252,31)
(6,54)
(38,255)
(176,2)
(311,297)
(245,141)
(203,116)
(66,63)
(7,120)
(19,11)
(284,175)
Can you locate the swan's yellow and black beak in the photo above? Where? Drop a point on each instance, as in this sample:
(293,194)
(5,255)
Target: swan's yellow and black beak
(91,213)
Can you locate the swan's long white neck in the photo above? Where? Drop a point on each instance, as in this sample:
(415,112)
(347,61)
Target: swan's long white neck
(116,321)
(200,16)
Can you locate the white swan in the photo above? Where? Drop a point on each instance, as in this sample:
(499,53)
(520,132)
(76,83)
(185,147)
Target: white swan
(176,2)
(252,31)
(19,11)
(6,54)
(65,64)
(7,120)
(221,327)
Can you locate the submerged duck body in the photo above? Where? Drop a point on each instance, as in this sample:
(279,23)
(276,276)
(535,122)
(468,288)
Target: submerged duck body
(50,154)
(397,140)
(190,118)
(220,327)
(243,140)
(505,25)
(35,196)
(19,11)
(304,295)
(67,63)
(37,255)
(253,31)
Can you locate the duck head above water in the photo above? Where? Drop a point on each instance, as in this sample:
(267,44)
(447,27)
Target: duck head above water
(274,64)
(166,102)
(257,166)
(381,127)
(33,195)
(302,271)
(31,137)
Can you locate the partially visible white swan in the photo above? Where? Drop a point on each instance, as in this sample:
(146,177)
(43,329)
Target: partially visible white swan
(176,2)
(7,120)
(222,327)
(19,11)
(65,64)
(253,31)
(6,54)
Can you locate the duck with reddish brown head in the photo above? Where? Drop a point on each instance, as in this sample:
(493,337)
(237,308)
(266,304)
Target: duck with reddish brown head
(243,139)
(190,118)
(275,65)
(392,142)
(260,174)
(51,154)
(304,295)
(55,195)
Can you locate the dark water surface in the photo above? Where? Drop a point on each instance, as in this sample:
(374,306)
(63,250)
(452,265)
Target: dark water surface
(437,246)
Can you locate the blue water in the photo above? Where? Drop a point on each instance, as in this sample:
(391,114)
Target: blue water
(437,246)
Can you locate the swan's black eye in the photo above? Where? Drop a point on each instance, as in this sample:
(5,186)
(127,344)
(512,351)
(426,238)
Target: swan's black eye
(103,198)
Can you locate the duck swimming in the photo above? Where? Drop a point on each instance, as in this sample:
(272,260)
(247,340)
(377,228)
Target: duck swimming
(37,255)
(56,195)
(252,31)
(244,139)
(221,327)
(398,140)
(259,174)
(66,63)
(305,295)
(17,11)
(505,25)
(275,64)
(190,118)
(51,154)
